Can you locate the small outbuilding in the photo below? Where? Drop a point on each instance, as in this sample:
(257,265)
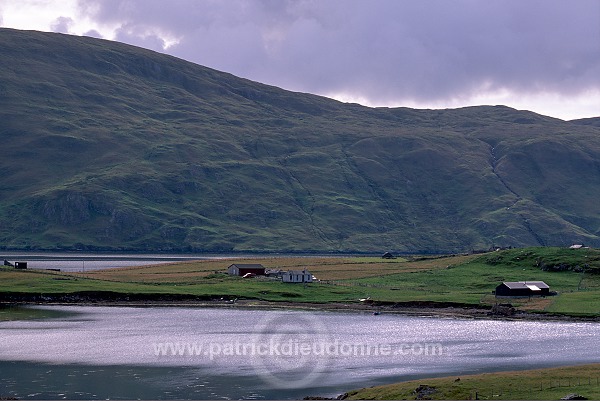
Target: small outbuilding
(522,289)
(241,269)
(20,265)
(388,255)
(297,276)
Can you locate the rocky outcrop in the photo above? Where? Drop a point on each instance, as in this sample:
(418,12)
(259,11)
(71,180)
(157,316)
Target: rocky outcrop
(424,392)
(573,396)
(502,310)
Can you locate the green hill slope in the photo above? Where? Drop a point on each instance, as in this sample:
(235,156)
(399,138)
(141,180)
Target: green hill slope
(109,146)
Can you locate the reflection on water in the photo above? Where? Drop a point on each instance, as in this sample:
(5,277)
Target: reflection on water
(104,352)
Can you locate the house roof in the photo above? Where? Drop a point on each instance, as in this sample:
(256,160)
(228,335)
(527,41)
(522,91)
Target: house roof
(298,272)
(532,285)
(248,266)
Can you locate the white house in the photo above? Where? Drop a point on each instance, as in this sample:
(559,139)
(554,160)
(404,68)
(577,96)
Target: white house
(297,276)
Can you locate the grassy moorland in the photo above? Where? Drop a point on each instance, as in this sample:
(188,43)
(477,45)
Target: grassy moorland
(114,147)
(454,280)
(539,384)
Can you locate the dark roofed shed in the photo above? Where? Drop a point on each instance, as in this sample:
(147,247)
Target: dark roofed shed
(239,269)
(522,289)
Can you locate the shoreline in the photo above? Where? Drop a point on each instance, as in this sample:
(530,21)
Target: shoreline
(488,383)
(414,309)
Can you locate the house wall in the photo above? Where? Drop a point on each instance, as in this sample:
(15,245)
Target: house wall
(240,271)
(258,272)
(296,278)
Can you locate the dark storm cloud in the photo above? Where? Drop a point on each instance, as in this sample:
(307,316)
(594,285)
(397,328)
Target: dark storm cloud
(378,49)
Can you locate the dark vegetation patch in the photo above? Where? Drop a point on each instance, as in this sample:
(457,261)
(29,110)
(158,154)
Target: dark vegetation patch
(548,259)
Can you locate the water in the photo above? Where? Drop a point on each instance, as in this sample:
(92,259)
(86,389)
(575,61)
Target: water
(120,353)
(81,262)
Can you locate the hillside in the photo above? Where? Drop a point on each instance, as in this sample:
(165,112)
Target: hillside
(595,121)
(109,146)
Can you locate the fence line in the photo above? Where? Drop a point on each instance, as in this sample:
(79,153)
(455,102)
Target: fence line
(502,392)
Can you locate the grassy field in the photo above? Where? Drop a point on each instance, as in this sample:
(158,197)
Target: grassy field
(458,279)
(463,279)
(539,384)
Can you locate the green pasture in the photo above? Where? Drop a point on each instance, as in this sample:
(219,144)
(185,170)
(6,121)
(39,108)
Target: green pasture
(460,279)
(539,384)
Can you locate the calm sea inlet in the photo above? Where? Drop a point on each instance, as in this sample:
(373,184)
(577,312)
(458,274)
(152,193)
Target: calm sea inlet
(87,352)
(80,262)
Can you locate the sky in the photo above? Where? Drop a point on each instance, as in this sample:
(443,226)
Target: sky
(538,55)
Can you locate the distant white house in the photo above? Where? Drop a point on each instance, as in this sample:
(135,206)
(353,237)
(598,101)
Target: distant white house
(297,276)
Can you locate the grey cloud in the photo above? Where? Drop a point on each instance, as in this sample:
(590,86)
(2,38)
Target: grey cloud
(93,33)
(383,50)
(140,36)
(62,24)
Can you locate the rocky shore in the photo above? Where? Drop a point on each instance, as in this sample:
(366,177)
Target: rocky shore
(417,308)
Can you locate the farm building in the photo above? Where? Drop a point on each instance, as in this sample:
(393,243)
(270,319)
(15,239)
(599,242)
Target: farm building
(242,269)
(297,276)
(522,289)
